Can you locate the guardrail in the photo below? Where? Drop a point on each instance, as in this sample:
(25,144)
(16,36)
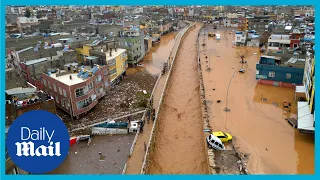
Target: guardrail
(152,137)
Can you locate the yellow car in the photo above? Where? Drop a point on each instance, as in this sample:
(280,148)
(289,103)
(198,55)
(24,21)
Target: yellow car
(224,137)
(211,34)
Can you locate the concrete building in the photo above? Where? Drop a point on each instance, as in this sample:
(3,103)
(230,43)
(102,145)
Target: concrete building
(240,38)
(278,42)
(133,42)
(258,23)
(77,89)
(273,71)
(106,53)
(306,106)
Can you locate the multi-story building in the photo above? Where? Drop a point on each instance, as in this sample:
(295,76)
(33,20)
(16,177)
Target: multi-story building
(295,37)
(242,23)
(133,41)
(272,70)
(306,105)
(77,89)
(106,54)
(258,23)
(277,42)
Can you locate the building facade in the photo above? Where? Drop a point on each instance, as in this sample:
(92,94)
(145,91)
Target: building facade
(306,108)
(270,70)
(75,89)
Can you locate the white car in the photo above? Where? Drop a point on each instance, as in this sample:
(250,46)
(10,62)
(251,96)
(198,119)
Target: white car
(215,142)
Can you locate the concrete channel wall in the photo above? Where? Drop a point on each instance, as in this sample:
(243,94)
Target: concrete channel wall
(173,54)
(206,125)
(143,117)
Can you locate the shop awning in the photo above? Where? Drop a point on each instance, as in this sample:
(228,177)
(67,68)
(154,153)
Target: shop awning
(300,89)
(305,118)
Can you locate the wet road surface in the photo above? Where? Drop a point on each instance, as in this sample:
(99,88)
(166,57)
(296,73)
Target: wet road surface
(179,147)
(86,160)
(154,60)
(256,118)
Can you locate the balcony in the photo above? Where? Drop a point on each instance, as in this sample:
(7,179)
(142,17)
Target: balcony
(86,108)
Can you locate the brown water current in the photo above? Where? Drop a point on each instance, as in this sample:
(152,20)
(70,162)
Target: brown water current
(256,118)
(154,60)
(179,146)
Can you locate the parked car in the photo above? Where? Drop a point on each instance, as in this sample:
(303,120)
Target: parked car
(224,137)
(215,142)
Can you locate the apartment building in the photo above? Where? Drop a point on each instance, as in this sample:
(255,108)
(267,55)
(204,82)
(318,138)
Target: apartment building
(277,42)
(77,89)
(306,105)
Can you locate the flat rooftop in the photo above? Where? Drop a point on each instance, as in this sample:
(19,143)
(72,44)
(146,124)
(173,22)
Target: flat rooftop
(66,78)
(279,37)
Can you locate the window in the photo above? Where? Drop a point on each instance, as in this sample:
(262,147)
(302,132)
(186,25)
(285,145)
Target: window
(57,99)
(54,87)
(113,71)
(272,74)
(295,45)
(90,86)
(105,72)
(64,93)
(112,62)
(62,102)
(45,82)
(98,78)
(49,84)
(288,76)
(79,92)
(60,90)
(84,103)
(238,38)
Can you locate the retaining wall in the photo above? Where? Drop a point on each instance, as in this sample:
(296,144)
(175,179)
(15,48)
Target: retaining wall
(173,54)
(206,125)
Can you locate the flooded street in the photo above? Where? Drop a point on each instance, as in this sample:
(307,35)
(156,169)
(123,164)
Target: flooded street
(154,60)
(179,147)
(84,159)
(256,118)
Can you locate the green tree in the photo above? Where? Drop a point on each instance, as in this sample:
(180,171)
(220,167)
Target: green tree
(28,13)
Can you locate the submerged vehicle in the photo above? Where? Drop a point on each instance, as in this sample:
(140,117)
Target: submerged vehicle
(214,142)
(224,137)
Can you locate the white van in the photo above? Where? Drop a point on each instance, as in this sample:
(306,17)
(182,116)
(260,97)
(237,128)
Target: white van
(215,142)
(218,36)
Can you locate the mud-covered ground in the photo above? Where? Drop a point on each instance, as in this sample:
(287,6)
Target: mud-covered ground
(84,159)
(120,101)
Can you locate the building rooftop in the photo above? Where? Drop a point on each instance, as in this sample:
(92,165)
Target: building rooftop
(20,90)
(66,78)
(76,77)
(36,61)
(279,37)
(114,54)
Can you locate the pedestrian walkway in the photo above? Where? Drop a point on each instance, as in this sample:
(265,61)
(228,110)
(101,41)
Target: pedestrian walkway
(135,161)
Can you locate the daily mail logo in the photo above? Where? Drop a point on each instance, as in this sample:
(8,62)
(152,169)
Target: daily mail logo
(28,148)
(38,142)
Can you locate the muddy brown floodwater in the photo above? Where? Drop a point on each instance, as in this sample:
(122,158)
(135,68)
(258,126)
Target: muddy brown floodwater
(154,60)
(256,117)
(179,147)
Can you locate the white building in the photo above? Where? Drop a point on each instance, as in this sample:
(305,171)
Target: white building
(240,38)
(278,42)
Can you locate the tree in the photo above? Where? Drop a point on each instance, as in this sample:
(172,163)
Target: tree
(28,13)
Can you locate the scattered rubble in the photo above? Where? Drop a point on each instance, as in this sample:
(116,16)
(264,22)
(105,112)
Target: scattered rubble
(123,99)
